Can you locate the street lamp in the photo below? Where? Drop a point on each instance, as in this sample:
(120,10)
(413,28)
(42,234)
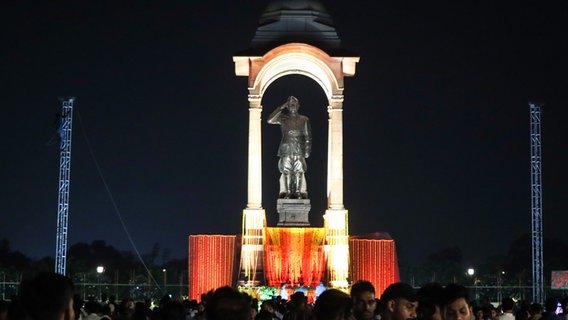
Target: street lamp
(165,272)
(499,285)
(471,273)
(100,270)
(3,285)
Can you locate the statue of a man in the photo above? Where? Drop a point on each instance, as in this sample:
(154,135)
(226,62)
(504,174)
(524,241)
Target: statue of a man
(295,147)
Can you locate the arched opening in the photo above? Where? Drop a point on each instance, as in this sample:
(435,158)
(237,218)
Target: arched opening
(313,104)
(298,59)
(328,72)
(316,79)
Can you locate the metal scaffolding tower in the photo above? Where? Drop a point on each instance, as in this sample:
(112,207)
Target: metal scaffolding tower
(536,204)
(64,125)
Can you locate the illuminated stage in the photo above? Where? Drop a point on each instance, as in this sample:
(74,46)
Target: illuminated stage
(290,254)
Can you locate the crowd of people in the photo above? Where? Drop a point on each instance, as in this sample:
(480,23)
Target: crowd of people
(50,296)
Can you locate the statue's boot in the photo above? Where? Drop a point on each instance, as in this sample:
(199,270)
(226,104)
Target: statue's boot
(288,181)
(297,193)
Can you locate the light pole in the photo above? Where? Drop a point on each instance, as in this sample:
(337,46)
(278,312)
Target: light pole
(471,273)
(116,284)
(3,286)
(84,283)
(100,270)
(165,272)
(181,284)
(499,285)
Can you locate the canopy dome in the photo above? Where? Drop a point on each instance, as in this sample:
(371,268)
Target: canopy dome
(287,21)
(295,5)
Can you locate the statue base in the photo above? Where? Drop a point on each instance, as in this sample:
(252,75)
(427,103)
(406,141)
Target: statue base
(293,212)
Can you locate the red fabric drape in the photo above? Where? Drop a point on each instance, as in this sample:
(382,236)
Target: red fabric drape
(374,261)
(211,260)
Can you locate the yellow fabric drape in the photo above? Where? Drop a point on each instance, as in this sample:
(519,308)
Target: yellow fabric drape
(294,256)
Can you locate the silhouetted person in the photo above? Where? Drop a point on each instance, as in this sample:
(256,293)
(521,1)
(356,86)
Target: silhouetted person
(507,305)
(455,302)
(550,305)
(227,303)
(271,307)
(172,310)
(363,299)
(333,304)
(297,307)
(399,302)
(4,307)
(535,311)
(564,305)
(430,302)
(48,296)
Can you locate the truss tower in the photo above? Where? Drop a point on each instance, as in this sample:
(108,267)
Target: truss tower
(64,127)
(536,204)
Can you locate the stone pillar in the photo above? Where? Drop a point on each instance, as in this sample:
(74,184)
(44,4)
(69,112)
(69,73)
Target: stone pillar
(335,154)
(252,266)
(336,222)
(254,194)
(337,240)
(254,217)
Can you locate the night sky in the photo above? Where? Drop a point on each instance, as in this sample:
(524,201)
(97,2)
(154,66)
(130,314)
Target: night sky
(436,121)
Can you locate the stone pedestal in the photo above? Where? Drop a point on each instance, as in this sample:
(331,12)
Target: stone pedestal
(293,212)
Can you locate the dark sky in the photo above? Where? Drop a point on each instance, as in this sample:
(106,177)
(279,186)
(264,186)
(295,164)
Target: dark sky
(436,121)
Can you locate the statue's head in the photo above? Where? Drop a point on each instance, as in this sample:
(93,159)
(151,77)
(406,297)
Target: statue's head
(293,104)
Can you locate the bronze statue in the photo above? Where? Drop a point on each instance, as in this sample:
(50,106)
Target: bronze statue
(295,147)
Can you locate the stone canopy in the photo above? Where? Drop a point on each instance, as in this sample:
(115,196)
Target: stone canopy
(302,21)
